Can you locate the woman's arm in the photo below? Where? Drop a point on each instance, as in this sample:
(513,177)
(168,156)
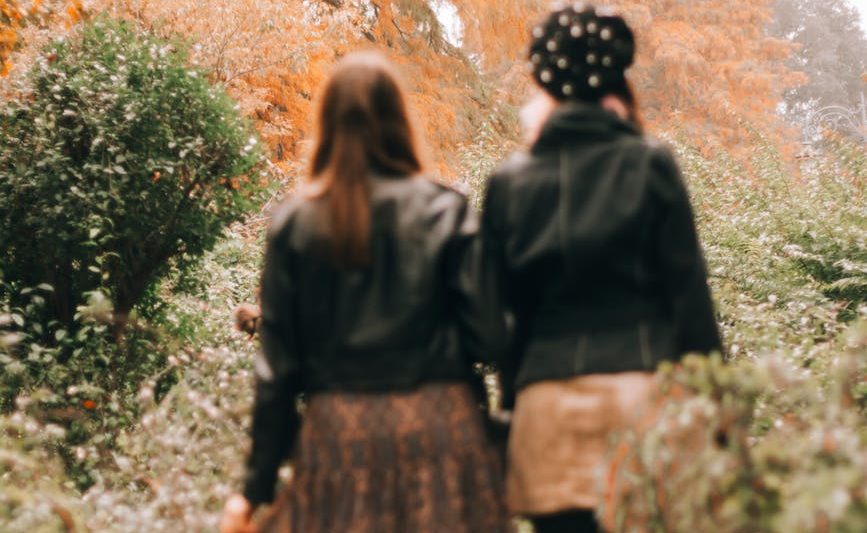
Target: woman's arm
(278,375)
(494,255)
(681,262)
(473,293)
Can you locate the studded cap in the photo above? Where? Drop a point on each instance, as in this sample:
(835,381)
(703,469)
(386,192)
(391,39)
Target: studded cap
(580,52)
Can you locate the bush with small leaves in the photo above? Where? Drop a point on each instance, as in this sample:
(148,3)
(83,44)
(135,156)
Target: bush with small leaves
(117,163)
(119,167)
(705,465)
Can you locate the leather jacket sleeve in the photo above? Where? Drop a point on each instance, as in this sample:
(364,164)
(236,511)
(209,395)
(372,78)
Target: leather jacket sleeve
(493,256)
(473,291)
(682,264)
(278,377)
(474,295)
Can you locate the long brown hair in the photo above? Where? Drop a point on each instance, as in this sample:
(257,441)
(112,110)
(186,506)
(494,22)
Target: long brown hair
(363,128)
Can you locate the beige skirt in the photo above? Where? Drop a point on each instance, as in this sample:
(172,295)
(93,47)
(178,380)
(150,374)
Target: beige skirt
(559,444)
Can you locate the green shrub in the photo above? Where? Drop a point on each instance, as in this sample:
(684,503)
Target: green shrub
(34,493)
(119,167)
(781,248)
(117,162)
(174,467)
(702,467)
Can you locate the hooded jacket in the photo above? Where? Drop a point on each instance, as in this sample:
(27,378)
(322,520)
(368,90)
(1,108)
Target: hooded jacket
(596,250)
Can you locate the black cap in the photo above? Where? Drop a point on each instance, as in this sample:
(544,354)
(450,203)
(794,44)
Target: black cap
(581,53)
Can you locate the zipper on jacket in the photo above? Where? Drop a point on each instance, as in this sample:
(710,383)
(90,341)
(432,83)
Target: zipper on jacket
(580,354)
(563,213)
(644,345)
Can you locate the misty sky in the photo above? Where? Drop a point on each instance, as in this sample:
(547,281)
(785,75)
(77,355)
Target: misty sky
(862,7)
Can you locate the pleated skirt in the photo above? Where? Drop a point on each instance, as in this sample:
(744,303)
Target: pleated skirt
(394,462)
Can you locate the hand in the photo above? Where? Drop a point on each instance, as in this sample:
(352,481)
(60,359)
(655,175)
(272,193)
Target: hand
(237,516)
(501,417)
(247,318)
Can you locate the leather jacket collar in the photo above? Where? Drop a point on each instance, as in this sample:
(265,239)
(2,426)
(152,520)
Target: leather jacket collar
(576,121)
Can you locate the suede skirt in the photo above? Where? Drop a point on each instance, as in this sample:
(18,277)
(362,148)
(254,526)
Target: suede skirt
(393,462)
(560,443)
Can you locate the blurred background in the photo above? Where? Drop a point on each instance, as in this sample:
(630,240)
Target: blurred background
(139,161)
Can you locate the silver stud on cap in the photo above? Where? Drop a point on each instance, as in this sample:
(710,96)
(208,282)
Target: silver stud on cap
(591,58)
(606,34)
(563,63)
(536,59)
(538,32)
(551,45)
(607,61)
(593,81)
(591,27)
(565,19)
(546,76)
(567,89)
(576,30)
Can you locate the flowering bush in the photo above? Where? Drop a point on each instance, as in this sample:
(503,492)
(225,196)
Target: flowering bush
(703,467)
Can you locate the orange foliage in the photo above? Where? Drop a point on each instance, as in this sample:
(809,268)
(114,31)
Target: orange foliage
(15,15)
(498,31)
(705,68)
(10,21)
(273,55)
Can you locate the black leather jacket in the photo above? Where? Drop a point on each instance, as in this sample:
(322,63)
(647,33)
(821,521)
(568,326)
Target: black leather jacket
(597,251)
(422,311)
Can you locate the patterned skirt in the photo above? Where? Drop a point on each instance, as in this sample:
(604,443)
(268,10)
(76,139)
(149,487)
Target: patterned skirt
(394,462)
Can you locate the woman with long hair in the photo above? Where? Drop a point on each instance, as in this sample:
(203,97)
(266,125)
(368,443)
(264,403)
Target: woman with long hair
(375,307)
(600,266)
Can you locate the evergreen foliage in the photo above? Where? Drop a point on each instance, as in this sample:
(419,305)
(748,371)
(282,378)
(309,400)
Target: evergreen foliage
(119,161)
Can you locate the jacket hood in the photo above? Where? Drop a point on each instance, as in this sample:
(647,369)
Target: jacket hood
(578,121)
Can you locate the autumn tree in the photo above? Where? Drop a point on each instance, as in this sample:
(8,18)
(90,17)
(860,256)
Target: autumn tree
(272,55)
(706,70)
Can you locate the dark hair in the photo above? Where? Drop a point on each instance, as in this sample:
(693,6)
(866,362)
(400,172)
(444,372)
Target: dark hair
(363,127)
(626,92)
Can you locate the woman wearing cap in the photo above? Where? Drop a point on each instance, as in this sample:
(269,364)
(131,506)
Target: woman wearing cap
(374,306)
(599,261)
